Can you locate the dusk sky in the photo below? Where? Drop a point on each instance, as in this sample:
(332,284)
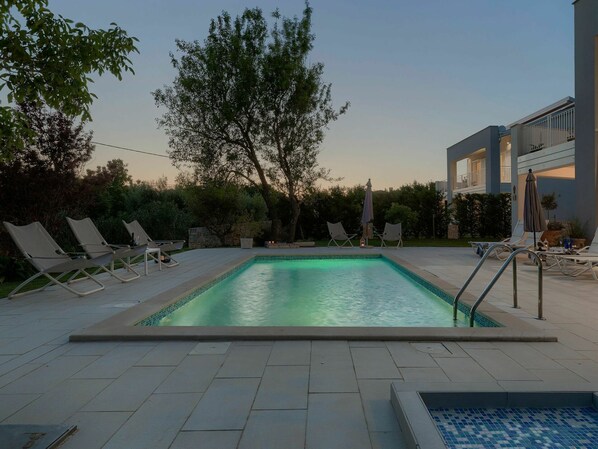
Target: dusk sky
(420,75)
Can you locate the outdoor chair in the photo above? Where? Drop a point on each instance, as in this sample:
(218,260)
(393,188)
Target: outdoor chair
(582,260)
(338,233)
(95,245)
(519,239)
(40,249)
(161,247)
(392,233)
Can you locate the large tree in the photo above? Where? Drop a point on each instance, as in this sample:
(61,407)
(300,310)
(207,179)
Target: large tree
(246,103)
(46,60)
(41,182)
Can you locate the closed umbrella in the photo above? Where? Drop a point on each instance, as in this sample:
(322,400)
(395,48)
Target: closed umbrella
(533,218)
(368,210)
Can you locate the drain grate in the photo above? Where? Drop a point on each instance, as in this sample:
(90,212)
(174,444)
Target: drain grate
(23,436)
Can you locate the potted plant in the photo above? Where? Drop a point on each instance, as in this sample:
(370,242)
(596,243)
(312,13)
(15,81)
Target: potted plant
(247,231)
(577,233)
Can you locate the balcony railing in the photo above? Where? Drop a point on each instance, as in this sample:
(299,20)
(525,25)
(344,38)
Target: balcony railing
(550,130)
(505,173)
(469,179)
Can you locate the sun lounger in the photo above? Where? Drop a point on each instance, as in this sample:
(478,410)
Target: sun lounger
(582,260)
(40,249)
(95,245)
(139,235)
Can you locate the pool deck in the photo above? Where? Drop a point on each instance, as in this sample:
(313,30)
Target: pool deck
(272,393)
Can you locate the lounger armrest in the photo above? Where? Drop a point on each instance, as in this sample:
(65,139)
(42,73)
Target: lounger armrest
(167,242)
(58,256)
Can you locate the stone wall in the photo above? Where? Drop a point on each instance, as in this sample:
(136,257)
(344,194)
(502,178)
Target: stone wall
(202,238)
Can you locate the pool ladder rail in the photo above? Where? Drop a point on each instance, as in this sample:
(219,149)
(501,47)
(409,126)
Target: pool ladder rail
(512,258)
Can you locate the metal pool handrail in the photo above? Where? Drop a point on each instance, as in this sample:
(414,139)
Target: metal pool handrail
(512,258)
(489,251)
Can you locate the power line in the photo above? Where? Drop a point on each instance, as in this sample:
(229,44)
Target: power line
(130,149)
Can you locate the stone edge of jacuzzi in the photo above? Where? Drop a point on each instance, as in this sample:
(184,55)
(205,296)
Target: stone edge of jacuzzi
(122,326)
(411,401)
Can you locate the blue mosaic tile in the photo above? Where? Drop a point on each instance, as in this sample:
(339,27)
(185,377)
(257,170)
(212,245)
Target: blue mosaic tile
(153,320)
(537,428)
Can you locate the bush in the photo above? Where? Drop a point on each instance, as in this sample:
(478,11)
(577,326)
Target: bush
(483,215)
(404,215)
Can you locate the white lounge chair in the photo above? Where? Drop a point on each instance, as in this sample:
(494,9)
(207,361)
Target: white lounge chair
(392,233)
(518,239)
(40,249)
(338,233)
(585,259)
(139,235)
(95,245)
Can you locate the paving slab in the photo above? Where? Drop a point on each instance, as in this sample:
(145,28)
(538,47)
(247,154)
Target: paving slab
(499,365)
(210,348)
(557,375)
(587,369)
(283,387)
(463,370)
(48,376)
(290,353)
(332,368)
(167,354)
(224,406)
(114,363)
(130,390)
(387,440)
(556,351)
(269,429)
(375,396)
(207,440)
(374,363)
(405,354)
(424,375)
(527,356)
(336,421)
(94,429)
(192,375)
(11,403)
(91,348)
(55,406)
(156,424)
(248,361)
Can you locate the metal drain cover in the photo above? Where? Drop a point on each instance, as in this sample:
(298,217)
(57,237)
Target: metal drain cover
(23,436)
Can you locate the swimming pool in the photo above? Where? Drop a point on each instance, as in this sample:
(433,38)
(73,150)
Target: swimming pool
(315,291)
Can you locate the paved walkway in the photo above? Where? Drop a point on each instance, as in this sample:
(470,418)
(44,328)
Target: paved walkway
(272,394)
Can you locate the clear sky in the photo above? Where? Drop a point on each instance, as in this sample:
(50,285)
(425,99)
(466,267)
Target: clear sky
(420,75)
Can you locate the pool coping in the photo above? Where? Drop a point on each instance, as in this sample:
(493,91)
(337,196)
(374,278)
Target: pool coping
(122,326)
(411,402)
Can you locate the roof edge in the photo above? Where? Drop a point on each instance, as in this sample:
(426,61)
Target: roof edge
(545,110)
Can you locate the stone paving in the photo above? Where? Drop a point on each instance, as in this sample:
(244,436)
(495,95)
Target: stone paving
(268,394)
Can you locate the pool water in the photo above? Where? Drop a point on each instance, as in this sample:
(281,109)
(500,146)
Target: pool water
(567,427)
(371,292)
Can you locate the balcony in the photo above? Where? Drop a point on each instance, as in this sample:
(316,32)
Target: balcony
(548,131)
(470,181)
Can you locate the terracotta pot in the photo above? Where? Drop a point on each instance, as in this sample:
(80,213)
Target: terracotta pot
(553,237)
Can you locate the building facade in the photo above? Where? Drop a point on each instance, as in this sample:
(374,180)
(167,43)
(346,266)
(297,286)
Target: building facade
(558,142)
(586,117)
(481,163)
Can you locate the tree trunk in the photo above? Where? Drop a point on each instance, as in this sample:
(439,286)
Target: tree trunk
(295,211)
